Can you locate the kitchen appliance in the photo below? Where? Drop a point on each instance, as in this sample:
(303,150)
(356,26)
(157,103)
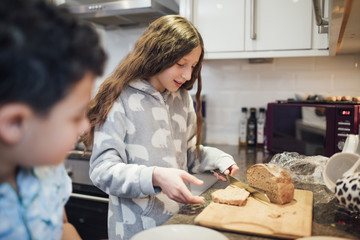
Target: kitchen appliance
(310,127)
(114,13)
(88,206)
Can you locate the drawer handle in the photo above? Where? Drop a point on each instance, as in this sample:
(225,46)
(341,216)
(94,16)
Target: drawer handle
(88,197)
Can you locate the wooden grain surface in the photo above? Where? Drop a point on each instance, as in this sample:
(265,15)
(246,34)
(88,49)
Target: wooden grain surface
(292,220)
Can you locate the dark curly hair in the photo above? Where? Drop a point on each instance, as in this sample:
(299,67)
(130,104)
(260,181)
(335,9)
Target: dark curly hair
(44,50)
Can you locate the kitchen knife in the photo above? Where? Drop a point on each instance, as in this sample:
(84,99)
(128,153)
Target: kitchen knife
(253,192)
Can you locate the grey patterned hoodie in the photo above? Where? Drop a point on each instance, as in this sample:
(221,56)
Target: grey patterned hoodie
(146,128)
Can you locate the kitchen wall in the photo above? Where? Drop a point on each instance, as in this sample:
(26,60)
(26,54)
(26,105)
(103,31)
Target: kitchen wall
(232,84)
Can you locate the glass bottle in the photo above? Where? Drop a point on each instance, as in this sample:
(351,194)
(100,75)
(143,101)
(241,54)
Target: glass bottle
(260,136)
(242,127)
(251,128)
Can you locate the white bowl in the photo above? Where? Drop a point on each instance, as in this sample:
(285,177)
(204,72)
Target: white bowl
(336,166)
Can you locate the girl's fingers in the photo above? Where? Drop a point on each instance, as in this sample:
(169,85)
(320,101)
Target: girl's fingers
(185,196)
(219,176)
(234,170)
(192,179)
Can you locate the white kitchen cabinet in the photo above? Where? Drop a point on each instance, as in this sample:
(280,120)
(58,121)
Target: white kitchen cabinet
(283,28)
(279,25)
(221,24)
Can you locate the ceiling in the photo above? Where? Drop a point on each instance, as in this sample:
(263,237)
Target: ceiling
(344,27)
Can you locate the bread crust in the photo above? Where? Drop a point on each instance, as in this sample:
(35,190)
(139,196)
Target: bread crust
(231,195)
(273,180)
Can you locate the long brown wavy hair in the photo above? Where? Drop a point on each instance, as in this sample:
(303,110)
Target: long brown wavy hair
(162,45)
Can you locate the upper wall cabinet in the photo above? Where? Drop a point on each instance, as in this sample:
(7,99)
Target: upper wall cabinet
(221,24)
(256,28)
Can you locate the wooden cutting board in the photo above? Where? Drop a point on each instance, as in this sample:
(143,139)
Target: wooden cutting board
(291,220)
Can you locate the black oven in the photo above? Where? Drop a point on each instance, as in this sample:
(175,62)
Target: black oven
(87,207)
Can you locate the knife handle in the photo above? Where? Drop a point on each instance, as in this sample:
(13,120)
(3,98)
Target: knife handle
(218,172)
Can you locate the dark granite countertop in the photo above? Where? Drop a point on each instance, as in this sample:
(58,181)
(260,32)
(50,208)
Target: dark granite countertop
(329,219)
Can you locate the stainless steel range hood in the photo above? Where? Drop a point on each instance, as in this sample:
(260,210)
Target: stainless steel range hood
(113,13)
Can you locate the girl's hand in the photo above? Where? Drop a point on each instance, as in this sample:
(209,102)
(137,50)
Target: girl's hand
(232,170)
(171,181)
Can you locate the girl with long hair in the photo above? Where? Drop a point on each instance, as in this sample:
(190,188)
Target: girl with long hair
(145,132)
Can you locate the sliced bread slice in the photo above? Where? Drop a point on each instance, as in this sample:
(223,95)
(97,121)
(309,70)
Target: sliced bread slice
(232,195)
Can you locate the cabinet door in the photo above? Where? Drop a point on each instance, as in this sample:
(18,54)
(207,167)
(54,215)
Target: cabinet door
(221,24)
(279,25)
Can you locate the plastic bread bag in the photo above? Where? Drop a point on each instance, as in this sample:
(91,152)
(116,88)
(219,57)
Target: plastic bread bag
(306,173)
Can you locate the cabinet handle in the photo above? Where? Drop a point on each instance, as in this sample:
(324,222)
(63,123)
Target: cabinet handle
(321,22)
(252,20)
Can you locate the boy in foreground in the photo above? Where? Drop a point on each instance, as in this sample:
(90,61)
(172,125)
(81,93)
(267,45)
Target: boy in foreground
(48,63)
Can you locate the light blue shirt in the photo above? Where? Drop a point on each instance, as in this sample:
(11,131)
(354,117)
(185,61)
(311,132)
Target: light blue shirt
(36,210)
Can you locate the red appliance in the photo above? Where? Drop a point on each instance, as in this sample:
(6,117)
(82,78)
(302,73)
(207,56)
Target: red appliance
(310,128)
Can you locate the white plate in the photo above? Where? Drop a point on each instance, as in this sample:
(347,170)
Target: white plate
(322,238)
(179,232)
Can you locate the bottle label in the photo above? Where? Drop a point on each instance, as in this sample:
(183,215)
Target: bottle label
(251,134)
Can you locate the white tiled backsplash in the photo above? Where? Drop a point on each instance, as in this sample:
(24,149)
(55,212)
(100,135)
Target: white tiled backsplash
(232,84)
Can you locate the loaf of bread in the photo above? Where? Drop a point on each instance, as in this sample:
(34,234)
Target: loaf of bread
(346,98)
(329,98)
(338,98)
(273,180)
(356,99)
(232,195)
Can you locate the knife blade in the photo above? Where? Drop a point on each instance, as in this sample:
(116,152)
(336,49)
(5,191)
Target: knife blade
(253,192)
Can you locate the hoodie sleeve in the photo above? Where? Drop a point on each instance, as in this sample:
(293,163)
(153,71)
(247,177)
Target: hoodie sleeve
(109,169)
(210,158)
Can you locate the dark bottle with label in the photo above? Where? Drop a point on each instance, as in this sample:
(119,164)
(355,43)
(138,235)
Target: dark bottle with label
(251,128)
